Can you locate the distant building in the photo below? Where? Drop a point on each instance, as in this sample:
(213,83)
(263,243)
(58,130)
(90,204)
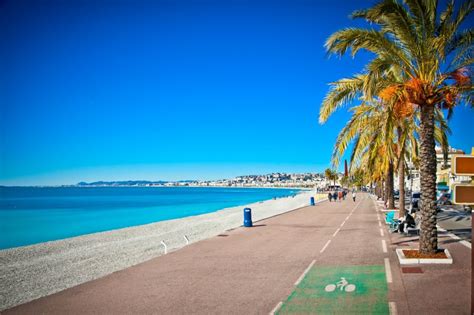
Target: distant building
(444,176)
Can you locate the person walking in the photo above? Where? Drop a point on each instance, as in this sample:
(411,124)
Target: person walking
(354,196)
(340,195)
(334,196)
(330,196)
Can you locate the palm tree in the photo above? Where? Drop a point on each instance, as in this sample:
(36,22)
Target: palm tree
(371,128)
(331,175)
(432,54)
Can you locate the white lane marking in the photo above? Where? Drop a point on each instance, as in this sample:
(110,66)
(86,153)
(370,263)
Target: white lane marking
(380,224)
(347,218)
(455,237)
(388,271)
(325,246)
(305,272)
(342,224)
(337,231)
(381,232)
(357,206)
(392,306)
(384,246)
(276,308)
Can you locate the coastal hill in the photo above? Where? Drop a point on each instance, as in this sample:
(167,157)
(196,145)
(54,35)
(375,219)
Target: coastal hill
(267,180)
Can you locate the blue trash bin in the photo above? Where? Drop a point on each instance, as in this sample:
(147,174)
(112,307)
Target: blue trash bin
(311,201)
(247,217)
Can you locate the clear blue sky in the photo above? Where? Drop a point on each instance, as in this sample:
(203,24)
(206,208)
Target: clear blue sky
(170,90)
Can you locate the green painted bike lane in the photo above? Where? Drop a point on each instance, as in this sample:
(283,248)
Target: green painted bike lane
(339,290)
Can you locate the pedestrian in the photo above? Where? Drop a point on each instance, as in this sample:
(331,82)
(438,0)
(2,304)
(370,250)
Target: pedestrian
(340,195)
(344,193)
(354,196)
(334,196)
(330,196)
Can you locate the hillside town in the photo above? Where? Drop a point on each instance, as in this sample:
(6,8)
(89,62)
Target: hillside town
(302,180)
(445,178)
(307,180)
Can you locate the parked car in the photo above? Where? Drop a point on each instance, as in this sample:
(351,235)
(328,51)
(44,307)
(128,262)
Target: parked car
(444,200)
(415,202)
(396,194)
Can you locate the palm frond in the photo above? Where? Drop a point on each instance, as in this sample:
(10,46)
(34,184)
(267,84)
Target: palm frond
(341,93)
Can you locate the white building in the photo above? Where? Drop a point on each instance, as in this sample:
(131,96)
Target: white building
(443,171)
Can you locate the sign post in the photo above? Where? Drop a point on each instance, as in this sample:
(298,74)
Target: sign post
(463,194)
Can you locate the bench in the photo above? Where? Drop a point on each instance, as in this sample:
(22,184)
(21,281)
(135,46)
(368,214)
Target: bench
(414,230)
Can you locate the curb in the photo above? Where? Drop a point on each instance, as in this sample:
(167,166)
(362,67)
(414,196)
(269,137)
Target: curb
(411,261)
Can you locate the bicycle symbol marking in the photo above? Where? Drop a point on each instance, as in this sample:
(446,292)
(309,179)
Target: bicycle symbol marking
(343,285)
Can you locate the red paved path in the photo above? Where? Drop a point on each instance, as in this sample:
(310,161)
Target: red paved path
(249,271)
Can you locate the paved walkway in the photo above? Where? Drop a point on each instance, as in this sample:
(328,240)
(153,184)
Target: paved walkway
(283,264)
(433,289)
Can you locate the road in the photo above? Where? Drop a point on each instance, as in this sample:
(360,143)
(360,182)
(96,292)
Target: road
(457,221)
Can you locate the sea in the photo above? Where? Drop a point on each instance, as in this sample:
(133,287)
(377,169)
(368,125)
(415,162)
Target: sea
(31,215)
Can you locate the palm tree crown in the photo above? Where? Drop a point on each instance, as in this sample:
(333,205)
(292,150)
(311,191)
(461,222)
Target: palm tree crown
(422,63)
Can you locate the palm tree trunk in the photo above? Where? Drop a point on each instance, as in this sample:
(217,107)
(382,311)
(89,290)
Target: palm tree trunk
(428,233)
(401,187)
(384,190)
(401,175)
(390,197)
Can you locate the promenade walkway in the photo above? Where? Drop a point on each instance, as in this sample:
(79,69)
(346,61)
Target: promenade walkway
(285,264)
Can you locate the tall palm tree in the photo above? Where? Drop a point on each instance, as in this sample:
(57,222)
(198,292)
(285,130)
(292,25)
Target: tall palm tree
(371,128)
(433,54)
(331,175)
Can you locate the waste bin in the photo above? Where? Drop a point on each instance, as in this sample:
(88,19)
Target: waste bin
(247,217)
(311,201)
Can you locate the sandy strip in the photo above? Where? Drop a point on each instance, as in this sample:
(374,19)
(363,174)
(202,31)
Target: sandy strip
(30,272)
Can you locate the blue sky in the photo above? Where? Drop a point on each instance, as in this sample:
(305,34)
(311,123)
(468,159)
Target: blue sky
(112,90)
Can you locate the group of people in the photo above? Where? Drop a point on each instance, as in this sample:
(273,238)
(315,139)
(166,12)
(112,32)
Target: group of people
(340,195)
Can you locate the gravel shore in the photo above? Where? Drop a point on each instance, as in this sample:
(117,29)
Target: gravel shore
(30,272)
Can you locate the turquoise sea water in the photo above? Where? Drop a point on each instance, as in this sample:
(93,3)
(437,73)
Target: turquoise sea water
(30,215)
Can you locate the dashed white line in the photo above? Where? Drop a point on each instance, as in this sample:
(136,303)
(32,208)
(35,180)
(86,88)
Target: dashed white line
(342,224)
(455,237)
(337,231)
(381,232)
(325,246)
(392,306)
(384,246)
(277,307)
(305,272)
(388,271)
(380,224)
